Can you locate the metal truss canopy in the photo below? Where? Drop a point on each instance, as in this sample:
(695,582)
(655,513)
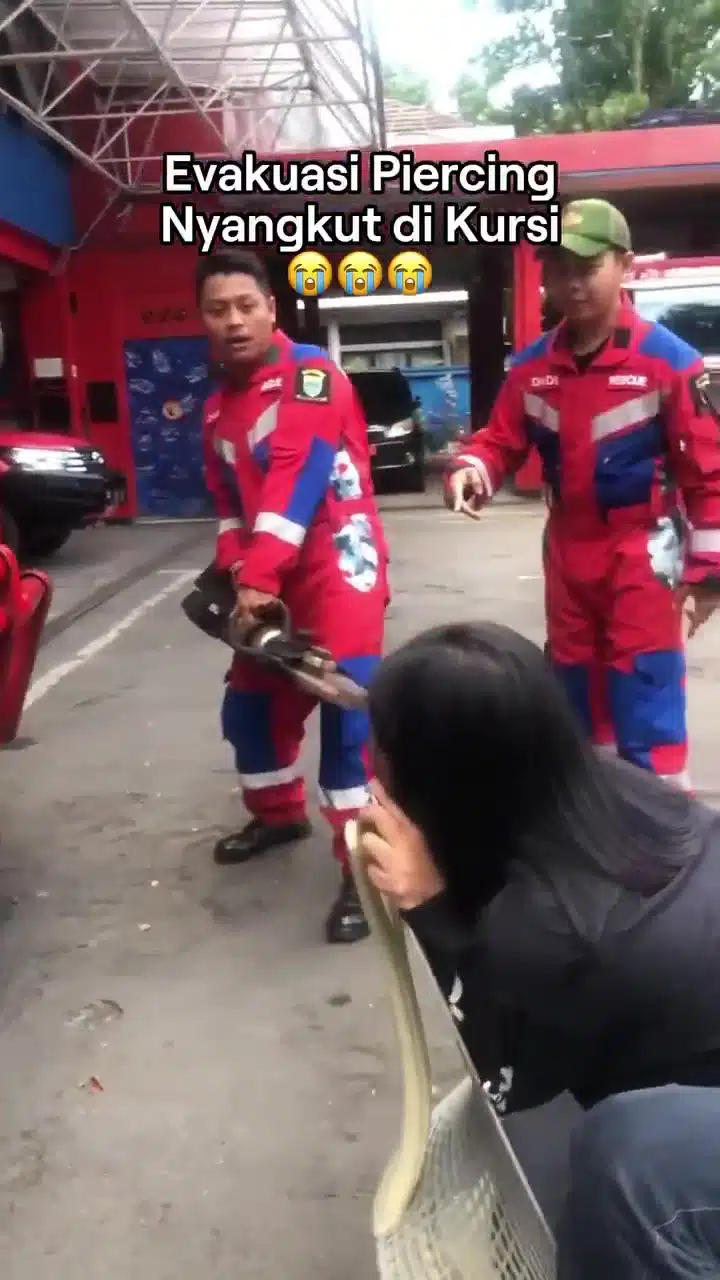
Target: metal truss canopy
(103,78)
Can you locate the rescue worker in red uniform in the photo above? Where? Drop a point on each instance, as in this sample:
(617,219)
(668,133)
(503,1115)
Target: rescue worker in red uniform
(602,728)
(619,411)
(288,464)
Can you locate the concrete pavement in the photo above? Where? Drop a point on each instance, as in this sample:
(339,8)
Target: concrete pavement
(194,1083)
(100,561)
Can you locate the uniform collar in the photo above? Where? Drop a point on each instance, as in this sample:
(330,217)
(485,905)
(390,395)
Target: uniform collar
(274,356)
(616,350)
(277,350)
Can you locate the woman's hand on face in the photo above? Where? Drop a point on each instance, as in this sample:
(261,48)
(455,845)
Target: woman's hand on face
(399,861)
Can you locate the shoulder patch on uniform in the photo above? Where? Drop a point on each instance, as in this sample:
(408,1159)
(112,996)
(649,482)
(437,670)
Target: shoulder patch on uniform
(532,351)
(699,384)
(312,384)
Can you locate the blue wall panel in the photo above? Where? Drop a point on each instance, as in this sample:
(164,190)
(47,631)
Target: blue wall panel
(444,395)
(34,184)
(168,382)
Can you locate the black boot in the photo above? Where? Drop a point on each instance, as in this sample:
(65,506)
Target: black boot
(346,921)
(256,838)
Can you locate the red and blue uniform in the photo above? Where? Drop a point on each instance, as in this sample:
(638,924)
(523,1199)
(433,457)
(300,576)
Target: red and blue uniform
(287,461)
(630,449)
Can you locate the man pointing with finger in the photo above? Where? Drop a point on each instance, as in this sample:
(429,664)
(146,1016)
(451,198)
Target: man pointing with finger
(630,447)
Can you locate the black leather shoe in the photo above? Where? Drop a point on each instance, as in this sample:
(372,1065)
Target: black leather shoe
(255,839)
(346,921)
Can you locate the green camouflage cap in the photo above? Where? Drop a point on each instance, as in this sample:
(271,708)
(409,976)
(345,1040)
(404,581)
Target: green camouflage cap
(590,227)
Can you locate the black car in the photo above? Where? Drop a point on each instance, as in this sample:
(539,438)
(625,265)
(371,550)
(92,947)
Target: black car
(50,485)
(395,429)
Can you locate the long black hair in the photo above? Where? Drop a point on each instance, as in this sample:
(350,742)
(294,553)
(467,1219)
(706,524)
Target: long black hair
(484,753)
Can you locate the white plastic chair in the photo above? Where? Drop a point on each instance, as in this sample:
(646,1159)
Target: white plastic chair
(453,1202)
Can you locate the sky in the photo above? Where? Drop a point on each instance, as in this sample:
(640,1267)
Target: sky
(438,37)
(433,37)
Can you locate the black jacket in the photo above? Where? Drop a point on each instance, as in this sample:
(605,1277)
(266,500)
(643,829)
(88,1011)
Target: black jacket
(579,984)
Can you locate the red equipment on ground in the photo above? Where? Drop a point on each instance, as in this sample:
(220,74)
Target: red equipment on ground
(25,598)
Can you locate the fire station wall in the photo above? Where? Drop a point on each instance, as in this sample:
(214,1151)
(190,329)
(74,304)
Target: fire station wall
(47,336)
(124,321)
(131,298)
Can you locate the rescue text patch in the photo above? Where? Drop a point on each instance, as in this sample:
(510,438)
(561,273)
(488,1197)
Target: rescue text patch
(627,380)
(313,385)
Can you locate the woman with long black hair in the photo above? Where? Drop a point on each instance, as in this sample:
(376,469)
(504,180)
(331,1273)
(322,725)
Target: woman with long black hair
(572,904)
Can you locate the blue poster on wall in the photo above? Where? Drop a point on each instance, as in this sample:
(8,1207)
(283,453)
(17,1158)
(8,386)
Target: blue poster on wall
(444,395)
(168,382)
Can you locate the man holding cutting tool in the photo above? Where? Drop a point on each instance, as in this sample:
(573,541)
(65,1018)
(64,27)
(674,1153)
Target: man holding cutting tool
(630,444)
(287,462)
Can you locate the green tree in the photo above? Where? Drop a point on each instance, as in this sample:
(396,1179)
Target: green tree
(402,84)
(606,61)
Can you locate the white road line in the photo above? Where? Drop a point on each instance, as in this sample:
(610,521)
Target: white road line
(45,683)
(440,516)
(164,573)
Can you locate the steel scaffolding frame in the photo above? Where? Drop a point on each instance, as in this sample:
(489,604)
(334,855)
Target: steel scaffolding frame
(266,75)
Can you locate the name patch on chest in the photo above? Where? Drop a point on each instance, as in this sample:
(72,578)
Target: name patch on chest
(628,380)
(272,384)
(312,385)
(548,380)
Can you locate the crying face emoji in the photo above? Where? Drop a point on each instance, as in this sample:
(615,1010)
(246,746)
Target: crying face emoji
(310,274)
(410,273)
(359,274)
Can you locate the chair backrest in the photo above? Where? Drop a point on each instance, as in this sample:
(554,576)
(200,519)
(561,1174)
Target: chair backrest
(9,601)
(405,1172)
(27,606)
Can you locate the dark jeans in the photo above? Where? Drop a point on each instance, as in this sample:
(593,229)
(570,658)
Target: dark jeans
(644,1200)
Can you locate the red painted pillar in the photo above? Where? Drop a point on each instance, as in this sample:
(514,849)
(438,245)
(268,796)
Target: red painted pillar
(527,326)
(478,407)
(527,296)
